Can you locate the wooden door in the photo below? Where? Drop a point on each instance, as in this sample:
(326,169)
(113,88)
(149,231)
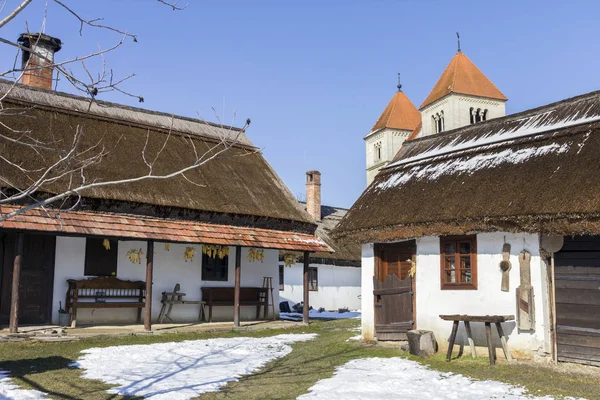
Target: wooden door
(394,285)
(37,278)
(577,285)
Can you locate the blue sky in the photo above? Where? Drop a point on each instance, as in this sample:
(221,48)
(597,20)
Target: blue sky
(314,75)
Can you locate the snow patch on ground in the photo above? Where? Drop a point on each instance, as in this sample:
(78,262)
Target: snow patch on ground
(316,314)
(398,378)
(183,370)
(11,391)
(469,165)
(354,338)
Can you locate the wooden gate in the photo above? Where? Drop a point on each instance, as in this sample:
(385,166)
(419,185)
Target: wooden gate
(393,286)
(577,285)
(393,307)
(37,277)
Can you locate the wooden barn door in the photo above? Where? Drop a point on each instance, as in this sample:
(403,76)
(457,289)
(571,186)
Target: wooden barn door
(577,285)
(394,290)
(37,277)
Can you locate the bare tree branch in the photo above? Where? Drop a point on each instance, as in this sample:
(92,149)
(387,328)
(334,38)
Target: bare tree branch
(14,12)
(174,5)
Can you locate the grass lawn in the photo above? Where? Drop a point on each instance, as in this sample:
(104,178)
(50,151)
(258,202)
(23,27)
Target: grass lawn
(44,366)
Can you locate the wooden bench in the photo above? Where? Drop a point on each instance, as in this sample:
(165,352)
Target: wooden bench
(176,297)
(488,320)
(223,296)
(105,292)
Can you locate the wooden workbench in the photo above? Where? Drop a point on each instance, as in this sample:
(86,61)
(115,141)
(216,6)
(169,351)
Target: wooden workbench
(488,320)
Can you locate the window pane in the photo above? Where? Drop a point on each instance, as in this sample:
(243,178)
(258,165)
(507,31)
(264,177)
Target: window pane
(464,247)
(465,262)
(450,276)
(281,274)
(100,260)
(465,276)
(313,279)
(450,263)
(449,248)
(214,269)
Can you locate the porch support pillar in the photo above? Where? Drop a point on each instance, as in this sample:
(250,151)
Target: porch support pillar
(149,273)
(236,288)
(14,299)
(305,287)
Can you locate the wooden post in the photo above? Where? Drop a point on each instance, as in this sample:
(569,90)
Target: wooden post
(491,348)
(14,299)
(305,287)
(470,339)
(149,273)
(503,341)
(554,334)
(236,288)
(452,339)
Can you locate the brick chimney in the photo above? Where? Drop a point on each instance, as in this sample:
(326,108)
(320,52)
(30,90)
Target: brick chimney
(313,194)
(38,64)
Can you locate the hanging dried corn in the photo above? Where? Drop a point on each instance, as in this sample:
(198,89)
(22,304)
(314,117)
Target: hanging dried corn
(256,255)
(289,260)
(135,256)
(106,244)
(214,251)
(189,254)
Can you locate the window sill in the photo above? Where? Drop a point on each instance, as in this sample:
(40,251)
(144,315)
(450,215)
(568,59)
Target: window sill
(458,287)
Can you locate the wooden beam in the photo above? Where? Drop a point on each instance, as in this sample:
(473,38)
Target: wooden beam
(305,287)
(236,288)
(14,299)
(149,273)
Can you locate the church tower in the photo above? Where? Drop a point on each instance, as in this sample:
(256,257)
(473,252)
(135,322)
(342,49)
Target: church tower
(463,95)
(393,127)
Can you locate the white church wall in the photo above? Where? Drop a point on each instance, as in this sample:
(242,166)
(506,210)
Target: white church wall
(390,140)
(338,287)
(488,299)
(169,269)
(367,298)
(456,110)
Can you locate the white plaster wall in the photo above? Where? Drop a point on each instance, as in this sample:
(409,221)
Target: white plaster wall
(169,269)
(488,299)
(457,111)
(367,299)
(339,287)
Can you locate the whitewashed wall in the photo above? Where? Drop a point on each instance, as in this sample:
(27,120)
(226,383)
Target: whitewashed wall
(367,299)
(339,287)
(488,299)
(169,269)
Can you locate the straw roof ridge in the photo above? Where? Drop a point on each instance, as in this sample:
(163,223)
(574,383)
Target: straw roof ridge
(70,103)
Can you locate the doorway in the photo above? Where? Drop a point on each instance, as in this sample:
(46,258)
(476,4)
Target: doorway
(37,277)
(394,290)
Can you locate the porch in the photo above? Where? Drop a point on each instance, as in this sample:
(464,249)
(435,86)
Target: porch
(38,260)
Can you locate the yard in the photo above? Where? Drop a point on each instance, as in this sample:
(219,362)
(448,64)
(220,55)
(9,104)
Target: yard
(48,367)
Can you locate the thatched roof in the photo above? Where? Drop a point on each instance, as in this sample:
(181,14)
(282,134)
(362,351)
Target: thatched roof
(240,183)
(345,253)
(536,171)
